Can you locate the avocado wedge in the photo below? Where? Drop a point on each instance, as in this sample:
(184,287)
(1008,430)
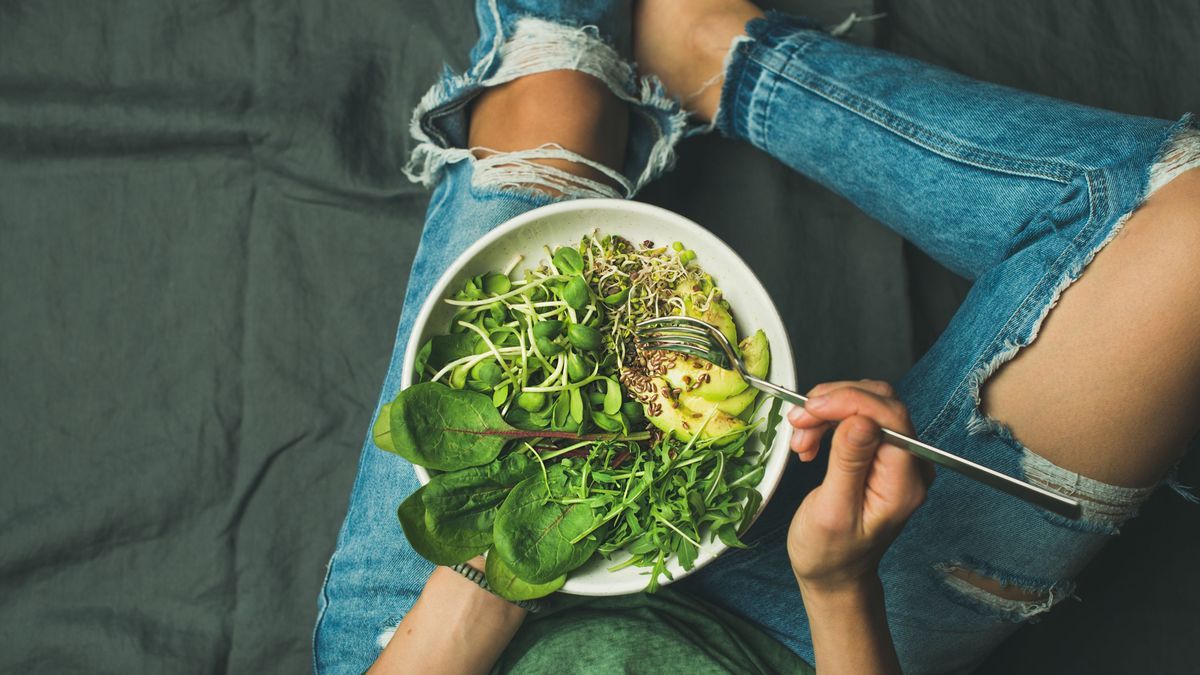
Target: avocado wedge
(757,355)
(716,313)
(667,414)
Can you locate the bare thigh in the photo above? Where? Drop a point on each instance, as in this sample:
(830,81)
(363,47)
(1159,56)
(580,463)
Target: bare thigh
(1110,388)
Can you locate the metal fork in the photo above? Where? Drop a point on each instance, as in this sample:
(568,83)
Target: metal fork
(694,337)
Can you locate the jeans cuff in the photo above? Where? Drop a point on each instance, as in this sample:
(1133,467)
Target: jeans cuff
(735,111)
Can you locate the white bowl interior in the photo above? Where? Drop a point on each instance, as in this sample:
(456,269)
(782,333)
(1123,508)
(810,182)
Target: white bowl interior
(566,223)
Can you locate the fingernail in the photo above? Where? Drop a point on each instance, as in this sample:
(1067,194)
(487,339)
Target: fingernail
(796,415)
(798,437)
(817,401)
(861,436)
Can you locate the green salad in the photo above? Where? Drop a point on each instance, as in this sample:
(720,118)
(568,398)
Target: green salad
(551,437)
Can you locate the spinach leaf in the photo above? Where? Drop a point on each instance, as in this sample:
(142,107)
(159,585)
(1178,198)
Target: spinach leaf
(444,429)
(446,348)
(533,531)
(509,586)
(381,431)
(422,359)
(432,548)
(460,506)
(447,429)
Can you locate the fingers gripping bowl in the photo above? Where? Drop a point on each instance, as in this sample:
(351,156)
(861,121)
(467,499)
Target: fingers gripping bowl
(555,445)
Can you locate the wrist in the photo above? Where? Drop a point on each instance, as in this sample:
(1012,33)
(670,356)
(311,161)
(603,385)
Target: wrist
(850,594)
(460,595)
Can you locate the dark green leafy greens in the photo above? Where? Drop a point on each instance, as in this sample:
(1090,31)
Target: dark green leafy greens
(538,454)
(461,505)
(508,585)
(434,426)
(545,510)
(438,428)
(413,520)
(540,537)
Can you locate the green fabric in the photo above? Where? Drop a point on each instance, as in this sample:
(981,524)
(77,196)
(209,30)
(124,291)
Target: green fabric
(664,632)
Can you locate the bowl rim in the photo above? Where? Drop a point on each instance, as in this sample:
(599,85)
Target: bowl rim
(785,376)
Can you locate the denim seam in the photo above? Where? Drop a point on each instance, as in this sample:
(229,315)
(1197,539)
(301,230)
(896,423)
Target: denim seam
(764,124)
(947,147)
(759,107)
(342,532)
(764,108)
(742,96)
(1097,191)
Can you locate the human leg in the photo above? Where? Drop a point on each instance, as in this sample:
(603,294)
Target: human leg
(1018,192)
(493,149)
(374,576)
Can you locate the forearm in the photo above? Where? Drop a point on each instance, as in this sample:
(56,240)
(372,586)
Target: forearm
(455,627)
(849,630)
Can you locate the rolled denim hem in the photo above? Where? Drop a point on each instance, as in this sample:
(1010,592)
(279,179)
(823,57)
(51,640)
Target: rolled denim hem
(535,45)
(731,117)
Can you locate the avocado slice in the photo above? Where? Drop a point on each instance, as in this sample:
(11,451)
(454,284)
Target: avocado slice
(716,313)
(716,384)
(757,355)
(734,405)
(667,414)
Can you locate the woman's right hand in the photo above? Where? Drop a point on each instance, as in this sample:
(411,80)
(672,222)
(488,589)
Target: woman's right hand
(843,527)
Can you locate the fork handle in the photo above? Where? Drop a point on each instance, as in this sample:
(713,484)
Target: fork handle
(1038,496)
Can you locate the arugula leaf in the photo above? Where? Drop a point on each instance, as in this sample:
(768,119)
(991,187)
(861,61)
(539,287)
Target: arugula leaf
(433,549)
(533,531)
(460,506)
(444,429)
(509,586)
(774,417)
(750,510)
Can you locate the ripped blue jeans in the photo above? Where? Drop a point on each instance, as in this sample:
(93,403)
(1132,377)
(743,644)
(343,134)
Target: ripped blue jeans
(1015,191)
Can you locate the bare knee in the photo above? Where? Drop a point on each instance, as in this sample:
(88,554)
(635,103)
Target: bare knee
(562,132)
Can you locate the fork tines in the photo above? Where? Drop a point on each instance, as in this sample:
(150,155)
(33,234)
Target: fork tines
(682,334)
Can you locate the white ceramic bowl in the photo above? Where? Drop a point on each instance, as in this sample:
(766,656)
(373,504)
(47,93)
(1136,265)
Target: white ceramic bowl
(566,223)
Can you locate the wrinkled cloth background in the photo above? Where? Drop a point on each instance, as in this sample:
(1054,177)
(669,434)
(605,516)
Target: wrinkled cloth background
(204,241)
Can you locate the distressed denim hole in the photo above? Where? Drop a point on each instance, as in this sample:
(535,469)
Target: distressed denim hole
(1105,506)
(994,587)
(1001,596)
(387,631)
(537,46)
(526,169)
